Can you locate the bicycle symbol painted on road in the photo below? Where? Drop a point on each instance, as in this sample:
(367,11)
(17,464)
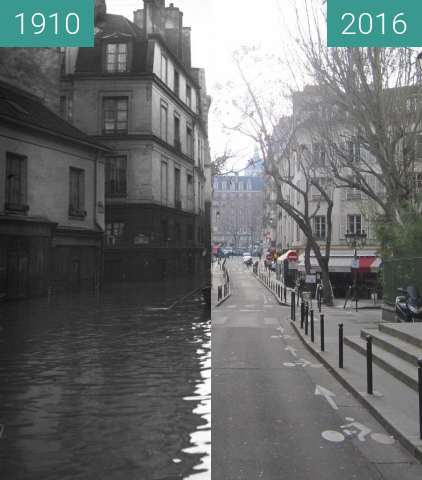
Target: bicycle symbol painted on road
(356,429)
(302,363)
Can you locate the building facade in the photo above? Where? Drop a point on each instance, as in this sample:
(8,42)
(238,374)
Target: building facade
(137,93)
(237,210)
(51,200)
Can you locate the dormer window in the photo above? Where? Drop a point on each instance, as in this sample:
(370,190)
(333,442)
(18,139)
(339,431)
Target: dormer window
(116,57)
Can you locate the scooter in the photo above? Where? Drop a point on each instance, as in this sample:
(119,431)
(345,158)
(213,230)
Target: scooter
(408,305)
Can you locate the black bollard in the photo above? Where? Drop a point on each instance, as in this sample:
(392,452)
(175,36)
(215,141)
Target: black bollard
(219,293)
(312,327)
(302,314)
(306,318)
(293,304)
(369,365)
(340,345)
(285,295)
(322,327)
(319,299)
(420,395)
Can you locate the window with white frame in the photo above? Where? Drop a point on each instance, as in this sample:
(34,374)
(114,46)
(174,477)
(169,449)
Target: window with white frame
(189,141)
(77,192)
(189,96)
(164,120)
(116,57)
(164,68)
(354,223)
(189,191)
(353,150)
(320,227)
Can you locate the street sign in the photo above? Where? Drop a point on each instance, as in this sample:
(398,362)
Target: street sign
(355,263)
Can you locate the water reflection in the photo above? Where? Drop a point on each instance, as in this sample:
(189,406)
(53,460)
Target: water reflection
(113,387)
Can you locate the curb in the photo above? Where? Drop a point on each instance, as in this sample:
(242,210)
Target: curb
(269,289)
(410,446)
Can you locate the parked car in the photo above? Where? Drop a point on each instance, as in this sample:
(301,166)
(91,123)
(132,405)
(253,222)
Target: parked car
(247,258)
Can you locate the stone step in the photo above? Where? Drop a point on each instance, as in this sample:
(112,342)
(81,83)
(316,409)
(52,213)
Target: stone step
(400,369)
(408,332)
(402,349)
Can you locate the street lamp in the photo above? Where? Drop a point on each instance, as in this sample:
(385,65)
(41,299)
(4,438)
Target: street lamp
(355,240)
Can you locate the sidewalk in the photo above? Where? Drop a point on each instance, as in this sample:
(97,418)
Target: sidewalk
(394,404)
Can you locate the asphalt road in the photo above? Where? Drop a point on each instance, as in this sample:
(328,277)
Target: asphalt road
(277,413)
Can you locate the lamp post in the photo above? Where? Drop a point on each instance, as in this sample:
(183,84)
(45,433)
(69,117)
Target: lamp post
(355,240)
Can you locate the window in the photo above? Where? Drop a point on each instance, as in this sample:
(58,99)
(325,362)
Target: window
(177,132)
(176,82)
(320,227)
(116,57)
(188,96)
(164,121)
(189,232)
(189,141)
(164,231)
(115,115)
(189,191)
(177,232)
(177,200)
(164,181)
(66,108)
(318,154)
(412,104)
(353,150)
(114,233)
(116,176)
(418,182)
(76,192)
(354,223)
(16,183)
(164,68)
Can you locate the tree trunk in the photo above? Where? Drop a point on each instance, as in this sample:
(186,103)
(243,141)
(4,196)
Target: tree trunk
(308,258)
(325,276)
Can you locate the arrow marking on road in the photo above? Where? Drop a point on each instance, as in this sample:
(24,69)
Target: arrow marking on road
(291,350)
(323,392)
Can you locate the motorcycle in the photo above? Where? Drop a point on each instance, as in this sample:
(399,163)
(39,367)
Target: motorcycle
(408,306)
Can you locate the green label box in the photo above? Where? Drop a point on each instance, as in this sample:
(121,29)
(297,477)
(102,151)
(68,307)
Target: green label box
(374,23)
(47,23)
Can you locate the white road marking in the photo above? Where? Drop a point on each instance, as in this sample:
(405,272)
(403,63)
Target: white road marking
(324,392)
(218,321)
(291,350)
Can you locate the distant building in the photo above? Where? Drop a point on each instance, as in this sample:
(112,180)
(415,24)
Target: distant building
(51,200)
(237,210)
(137,93)
(255,166)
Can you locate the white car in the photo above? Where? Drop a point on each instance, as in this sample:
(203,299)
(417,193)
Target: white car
(247,257)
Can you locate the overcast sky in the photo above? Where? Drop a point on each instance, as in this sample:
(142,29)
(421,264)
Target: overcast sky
(220,27)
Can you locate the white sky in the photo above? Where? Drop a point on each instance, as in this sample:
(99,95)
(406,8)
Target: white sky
(220,27)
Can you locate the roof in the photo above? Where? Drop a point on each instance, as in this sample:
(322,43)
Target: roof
(21,107)
(113,27)
(256,182)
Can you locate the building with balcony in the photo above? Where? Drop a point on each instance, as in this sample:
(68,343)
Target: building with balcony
(137,93)
(51,200)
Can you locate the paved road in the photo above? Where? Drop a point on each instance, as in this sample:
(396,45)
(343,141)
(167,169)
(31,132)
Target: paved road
(268,421)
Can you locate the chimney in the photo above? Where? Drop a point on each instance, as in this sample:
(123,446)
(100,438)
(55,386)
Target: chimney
(173,28)
(100,11)
(154,16)
(186,46)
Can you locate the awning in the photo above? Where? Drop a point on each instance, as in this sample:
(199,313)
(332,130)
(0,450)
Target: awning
(343,264)
(286,256)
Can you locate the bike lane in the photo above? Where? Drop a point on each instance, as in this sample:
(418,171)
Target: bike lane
(276,412)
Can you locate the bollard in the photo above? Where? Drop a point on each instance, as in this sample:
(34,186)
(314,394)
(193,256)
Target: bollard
(312,327)
(319,299)
(322,335)
(302,314)
(285,294)
(369,364)
(420,395)
(306,318)
(340,345)
(293,304)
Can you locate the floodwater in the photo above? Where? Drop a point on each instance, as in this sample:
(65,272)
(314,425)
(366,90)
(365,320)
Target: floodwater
(110,387)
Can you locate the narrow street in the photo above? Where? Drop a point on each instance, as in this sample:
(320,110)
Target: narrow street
(111,387)
(277,413)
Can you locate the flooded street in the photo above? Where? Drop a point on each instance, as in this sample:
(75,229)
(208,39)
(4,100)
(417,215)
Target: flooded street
(114,387)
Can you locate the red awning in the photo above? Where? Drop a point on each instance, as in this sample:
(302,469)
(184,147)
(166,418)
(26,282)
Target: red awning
(365,263)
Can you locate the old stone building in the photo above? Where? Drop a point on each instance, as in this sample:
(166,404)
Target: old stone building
(237,210)
(137,93)
(51,200)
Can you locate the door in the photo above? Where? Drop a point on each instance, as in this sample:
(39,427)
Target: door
(17,275)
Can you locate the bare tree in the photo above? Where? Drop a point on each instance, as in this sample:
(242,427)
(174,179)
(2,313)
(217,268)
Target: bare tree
(259,120)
